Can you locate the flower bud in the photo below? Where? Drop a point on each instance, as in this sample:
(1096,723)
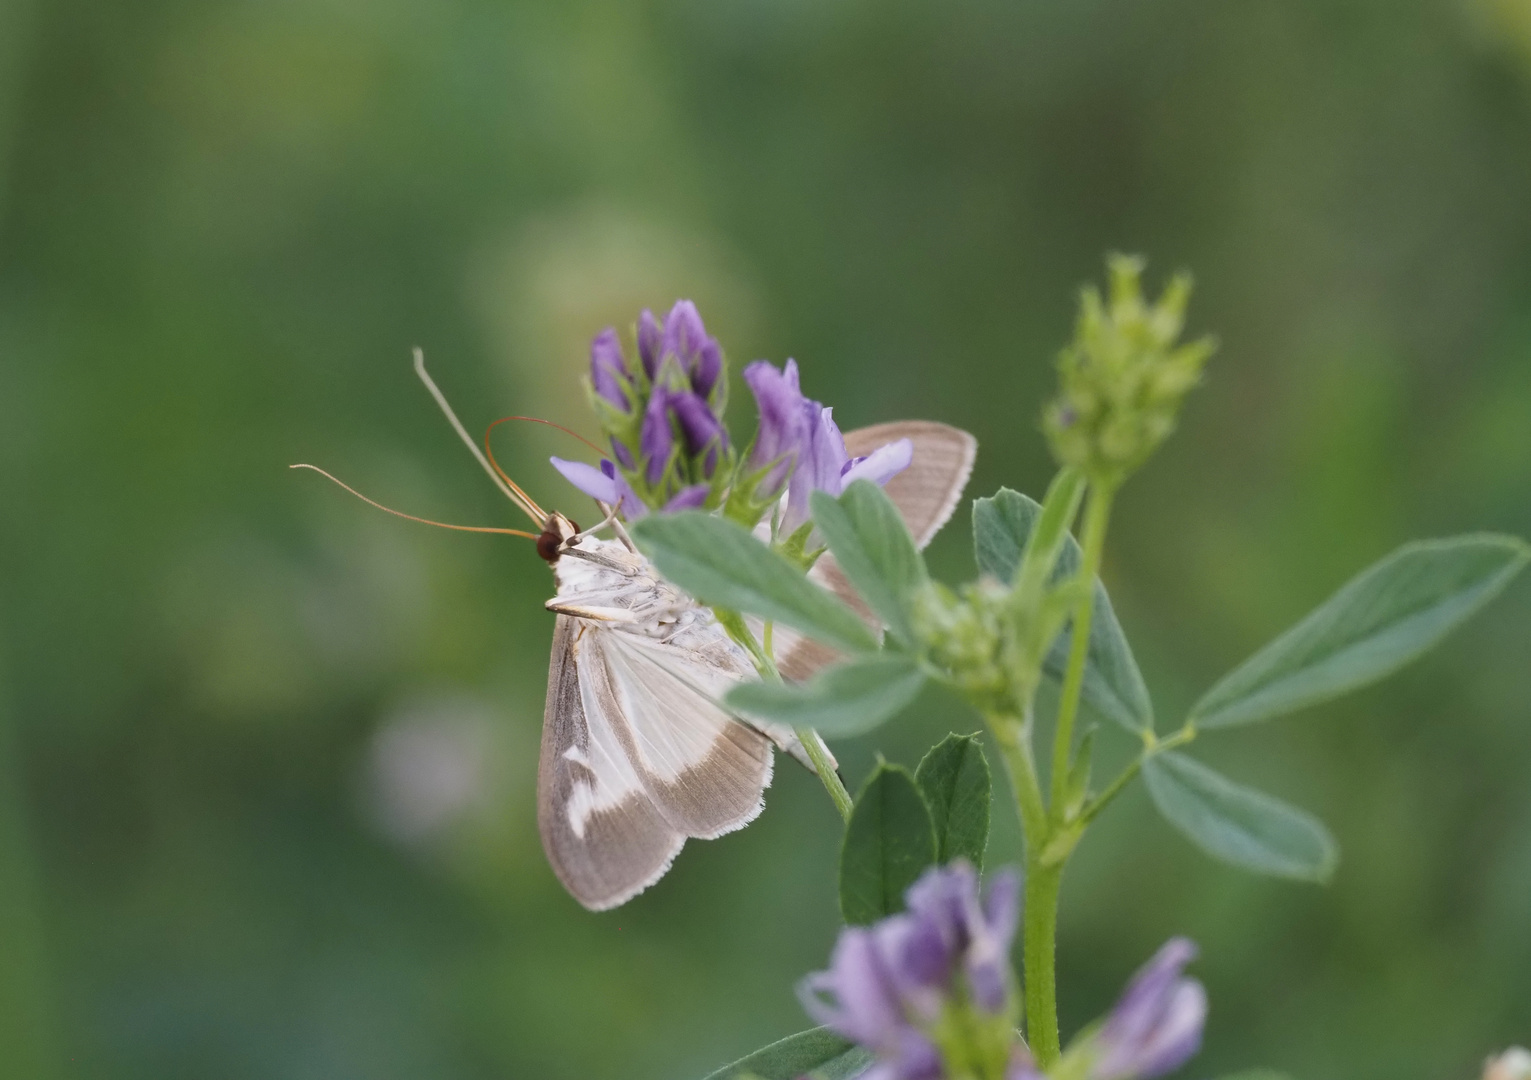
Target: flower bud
(1123,377)
(608,369)
(965,635)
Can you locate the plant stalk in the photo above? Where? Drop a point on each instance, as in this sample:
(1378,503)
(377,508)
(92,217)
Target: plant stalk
(826,770)
(1097,517)
(1014,738)
(1043,884)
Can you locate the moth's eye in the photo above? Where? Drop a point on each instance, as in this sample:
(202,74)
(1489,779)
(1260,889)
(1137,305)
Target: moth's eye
(547,546)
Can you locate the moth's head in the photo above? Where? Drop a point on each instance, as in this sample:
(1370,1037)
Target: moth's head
(557,531)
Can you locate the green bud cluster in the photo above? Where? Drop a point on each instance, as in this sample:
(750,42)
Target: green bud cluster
(1123,377)
(967,635)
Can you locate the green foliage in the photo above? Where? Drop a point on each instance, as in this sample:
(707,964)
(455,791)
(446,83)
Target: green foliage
(721,563)
(890,839)
(1123,377)
(1257,1074)
(1113,685)
(817,1052)
(954,778)
(868,538)
(1238,824)
(1387,616)
(840,701)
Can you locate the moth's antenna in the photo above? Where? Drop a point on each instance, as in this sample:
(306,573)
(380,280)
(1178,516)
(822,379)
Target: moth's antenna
(512,492)
(549,423)
(412,517)
(609,512)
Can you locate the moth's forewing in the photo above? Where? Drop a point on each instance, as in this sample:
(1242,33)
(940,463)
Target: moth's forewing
(637,755)
(705,771)
(623,844)
(926,494)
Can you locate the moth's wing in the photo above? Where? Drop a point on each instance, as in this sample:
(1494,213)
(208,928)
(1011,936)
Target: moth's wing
(705,770)
(604,837)
(926,494)
(928,491)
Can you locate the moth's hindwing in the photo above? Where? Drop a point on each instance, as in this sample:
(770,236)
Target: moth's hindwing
(926,494)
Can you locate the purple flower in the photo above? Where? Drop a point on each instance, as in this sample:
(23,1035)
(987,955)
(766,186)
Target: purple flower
(656,440)
(955,927)
(871,989)
(687,498)
(888,984)
(604,484)
(825,466)
(779,437)
(685,338)
(608,368)
(650,339)
(700,427)
(1156,1026)
(800,442)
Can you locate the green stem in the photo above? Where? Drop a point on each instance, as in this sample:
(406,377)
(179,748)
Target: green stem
(1014,738)
(1097,517)
(1153,745)
(826,770)
(1043,884)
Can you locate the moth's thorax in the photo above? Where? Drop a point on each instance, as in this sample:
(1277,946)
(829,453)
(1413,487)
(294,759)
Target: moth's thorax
(601,580)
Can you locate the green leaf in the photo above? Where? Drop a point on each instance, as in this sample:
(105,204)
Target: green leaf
(847,1066)
(954,778)
(888,842)
(818,1051)
(723,564)
(1237,824)
(868,538)
(1382,619)
(840,701)
(1113,685)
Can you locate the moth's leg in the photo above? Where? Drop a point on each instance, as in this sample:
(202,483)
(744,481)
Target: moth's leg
(609,519)
(600,560)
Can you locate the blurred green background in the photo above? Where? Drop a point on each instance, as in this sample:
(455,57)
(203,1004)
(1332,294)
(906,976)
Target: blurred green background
(267,762)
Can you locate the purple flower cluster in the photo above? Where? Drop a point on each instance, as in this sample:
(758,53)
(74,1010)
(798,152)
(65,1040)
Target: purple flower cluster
(662,415)
(890,986)
(669,447)
(932,987)
(799,447)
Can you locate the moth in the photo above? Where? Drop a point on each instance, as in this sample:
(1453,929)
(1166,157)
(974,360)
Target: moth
(638,752)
